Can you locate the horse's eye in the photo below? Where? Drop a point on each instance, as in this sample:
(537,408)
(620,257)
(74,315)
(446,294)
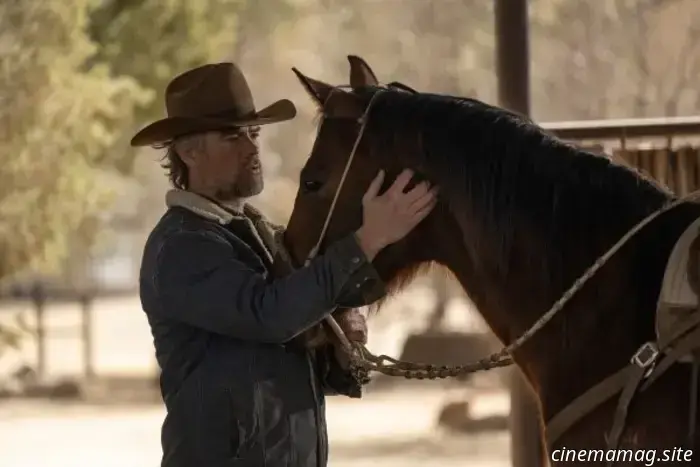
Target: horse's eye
(311,186)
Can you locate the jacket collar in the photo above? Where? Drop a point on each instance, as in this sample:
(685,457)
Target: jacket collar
(269,236)
(208,209)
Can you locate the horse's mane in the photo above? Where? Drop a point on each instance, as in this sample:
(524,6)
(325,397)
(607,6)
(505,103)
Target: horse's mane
(513,178)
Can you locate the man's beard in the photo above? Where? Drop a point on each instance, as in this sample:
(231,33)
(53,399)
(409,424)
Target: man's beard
(250,184)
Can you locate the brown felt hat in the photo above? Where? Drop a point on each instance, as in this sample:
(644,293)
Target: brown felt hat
(207,98)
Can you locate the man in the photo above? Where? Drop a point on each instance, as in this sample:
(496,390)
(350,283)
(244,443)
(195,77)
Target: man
(238,388)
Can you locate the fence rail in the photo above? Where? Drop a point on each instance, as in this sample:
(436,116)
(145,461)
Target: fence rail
(674,163)
(39,298)
(621,129)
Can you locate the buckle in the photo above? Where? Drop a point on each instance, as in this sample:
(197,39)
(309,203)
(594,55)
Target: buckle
(646,355)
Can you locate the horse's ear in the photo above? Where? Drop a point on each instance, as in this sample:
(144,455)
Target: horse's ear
(360,73)
(318,90)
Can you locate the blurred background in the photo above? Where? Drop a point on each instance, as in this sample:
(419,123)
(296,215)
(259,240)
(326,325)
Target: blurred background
(78,381)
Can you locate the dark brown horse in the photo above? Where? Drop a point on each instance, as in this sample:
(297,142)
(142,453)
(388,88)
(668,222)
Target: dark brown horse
(522,215)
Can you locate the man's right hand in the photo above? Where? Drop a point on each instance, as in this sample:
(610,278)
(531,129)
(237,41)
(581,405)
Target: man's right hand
(390,217)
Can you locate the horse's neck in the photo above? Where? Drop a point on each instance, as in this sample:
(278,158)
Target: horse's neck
(599,329)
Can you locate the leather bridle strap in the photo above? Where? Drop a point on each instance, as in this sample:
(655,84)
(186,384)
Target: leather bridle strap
(363,125)
(332,323)
(684,341)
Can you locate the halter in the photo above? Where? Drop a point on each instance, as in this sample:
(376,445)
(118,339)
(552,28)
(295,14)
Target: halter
(354,352)
(362,120)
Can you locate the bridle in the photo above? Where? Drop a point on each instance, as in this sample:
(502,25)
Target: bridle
(362,120)
(353,351)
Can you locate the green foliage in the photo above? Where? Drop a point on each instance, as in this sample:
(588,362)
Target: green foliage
(12,334)
(153,40)
(76,78)
(57,120)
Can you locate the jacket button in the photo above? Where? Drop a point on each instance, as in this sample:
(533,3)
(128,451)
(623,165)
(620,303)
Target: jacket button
(355,260)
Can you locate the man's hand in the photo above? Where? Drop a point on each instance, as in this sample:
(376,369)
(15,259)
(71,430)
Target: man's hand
(389,217)
(353,324)
(351,321)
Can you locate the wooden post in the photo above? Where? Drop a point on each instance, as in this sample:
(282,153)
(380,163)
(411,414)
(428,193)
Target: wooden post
(38,296)
(440,286)
(512,65)
(526,446)
(86,334)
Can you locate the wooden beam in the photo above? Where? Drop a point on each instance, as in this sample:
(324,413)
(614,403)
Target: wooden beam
(512,69)
(601,130)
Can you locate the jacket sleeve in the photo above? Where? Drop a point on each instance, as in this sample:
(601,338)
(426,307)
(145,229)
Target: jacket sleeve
(211,289)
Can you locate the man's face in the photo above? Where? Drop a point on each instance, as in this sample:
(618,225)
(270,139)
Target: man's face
(227,163)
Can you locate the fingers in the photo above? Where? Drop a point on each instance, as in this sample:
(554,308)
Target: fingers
(422,207)
(353,324)
(416,193)
(374,187)
(396,190)
(358,336)
(423,212)
(425,199)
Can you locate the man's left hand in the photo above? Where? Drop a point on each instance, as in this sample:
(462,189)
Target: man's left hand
(353,323)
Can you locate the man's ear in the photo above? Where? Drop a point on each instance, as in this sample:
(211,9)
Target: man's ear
(317,90)
(189,148)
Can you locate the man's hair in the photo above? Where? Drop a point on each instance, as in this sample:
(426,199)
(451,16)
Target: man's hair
(176,170)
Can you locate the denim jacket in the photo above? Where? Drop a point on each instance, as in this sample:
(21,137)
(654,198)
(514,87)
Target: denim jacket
(238,391)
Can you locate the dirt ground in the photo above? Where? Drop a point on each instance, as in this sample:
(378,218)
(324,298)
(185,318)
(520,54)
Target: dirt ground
(384,429)
(389,429)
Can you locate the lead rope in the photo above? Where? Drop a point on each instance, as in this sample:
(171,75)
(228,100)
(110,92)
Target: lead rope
(502,358)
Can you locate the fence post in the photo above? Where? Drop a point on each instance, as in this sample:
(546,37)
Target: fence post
(38,296)
(86,301)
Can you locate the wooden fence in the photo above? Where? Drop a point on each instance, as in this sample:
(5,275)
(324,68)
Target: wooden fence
(667,149)
(37,296)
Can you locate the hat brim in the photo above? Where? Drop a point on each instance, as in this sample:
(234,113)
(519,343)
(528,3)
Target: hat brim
(165,130)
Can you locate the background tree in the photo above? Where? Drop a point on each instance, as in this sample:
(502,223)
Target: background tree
(57,119)
(76,79)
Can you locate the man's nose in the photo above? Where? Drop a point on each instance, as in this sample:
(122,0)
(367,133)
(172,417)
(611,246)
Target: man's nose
(252,141)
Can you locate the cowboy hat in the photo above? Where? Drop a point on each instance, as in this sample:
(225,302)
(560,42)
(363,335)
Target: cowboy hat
(211,97)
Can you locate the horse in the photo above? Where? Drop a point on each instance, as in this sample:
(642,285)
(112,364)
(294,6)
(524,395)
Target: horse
(521,216)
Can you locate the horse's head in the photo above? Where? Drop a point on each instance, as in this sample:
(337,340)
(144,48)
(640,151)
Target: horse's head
(346,156)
